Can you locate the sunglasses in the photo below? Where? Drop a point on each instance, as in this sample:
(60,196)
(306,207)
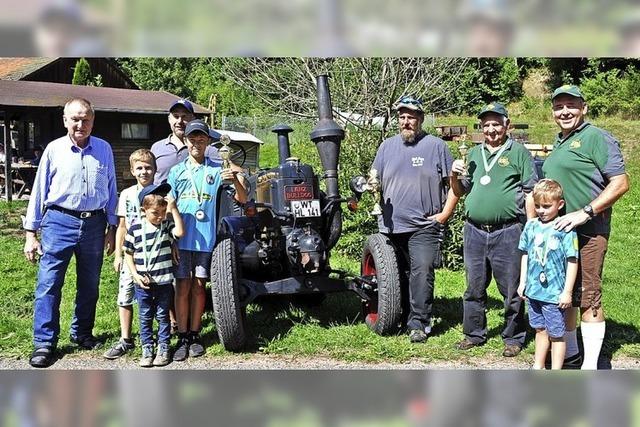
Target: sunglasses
(409,100)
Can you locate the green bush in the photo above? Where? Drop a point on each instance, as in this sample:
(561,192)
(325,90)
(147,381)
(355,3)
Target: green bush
(613,92)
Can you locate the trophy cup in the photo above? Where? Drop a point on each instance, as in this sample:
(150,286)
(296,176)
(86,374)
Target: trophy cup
(225,153)
(463,149)
(373,184)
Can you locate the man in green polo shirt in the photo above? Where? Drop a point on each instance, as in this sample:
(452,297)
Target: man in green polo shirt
(500,176)
(588,163)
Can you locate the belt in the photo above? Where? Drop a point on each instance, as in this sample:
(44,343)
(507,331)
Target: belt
(492,227)
(77,214)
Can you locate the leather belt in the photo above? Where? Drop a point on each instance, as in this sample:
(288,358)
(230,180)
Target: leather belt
(492,227)
(77,214)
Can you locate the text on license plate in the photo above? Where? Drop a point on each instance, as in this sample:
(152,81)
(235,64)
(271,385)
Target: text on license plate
(305,208)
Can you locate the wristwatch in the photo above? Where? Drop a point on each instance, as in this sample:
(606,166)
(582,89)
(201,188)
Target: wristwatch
(589,211)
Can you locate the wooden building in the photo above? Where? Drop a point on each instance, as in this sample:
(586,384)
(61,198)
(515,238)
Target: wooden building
(31,113)
(60,70)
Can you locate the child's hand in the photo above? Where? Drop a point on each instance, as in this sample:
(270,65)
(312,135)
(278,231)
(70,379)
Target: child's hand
(117,263)
(141,281)
(228,174)
(565,300)
(521,291)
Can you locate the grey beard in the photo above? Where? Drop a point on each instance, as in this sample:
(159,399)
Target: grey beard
(409,136)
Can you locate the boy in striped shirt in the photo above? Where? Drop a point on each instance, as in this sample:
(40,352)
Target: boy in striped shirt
(148,255)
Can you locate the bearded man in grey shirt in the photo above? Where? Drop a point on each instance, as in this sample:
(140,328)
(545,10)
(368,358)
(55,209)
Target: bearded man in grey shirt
(414,170)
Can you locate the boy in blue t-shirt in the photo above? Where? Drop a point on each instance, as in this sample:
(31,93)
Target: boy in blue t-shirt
(548,272)
(195,183)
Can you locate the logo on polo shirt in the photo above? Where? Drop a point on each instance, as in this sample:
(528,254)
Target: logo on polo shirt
(503,161)
(417,161)
(575,144)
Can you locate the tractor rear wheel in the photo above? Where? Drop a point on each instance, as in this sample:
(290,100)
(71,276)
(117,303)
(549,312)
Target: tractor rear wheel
(229,314)
(379,261)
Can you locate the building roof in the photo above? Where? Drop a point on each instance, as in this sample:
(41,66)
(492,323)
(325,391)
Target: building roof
(235,136)
(18,68)
(42,94)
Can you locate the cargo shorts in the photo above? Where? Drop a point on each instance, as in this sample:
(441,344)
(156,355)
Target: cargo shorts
(587,292)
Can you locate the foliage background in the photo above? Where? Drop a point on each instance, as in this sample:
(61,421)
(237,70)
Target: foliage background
(262,92)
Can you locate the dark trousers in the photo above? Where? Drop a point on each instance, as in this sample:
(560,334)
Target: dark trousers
(486,255)
(421,252)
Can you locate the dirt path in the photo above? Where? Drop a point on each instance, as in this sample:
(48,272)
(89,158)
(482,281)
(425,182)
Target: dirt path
(261,361)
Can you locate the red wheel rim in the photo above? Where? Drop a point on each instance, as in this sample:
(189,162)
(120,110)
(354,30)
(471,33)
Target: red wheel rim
(370,308)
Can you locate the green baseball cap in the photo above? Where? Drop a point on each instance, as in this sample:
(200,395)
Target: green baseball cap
(572,90)
(494,107)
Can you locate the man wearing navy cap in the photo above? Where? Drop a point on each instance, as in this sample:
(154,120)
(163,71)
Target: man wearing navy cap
(499,181)
(172,150)
(414,169)
(588,163)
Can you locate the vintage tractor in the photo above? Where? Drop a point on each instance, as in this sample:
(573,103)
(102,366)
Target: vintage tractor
(282,242)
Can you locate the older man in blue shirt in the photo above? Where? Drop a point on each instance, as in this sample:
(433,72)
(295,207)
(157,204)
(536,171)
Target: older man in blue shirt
(74,197)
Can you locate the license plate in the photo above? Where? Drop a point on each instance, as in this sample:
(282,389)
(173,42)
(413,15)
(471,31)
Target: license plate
(305,208)
(298,192)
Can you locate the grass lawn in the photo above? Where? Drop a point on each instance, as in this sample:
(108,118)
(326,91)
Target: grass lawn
(335,329)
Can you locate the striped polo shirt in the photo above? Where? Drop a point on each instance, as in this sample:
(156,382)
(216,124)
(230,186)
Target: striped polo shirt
(158,240)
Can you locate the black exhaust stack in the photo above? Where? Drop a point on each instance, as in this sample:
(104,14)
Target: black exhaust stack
(327,135)
(284,148)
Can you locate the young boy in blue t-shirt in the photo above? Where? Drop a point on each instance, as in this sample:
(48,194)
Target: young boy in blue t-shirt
(548,272)
(195,183)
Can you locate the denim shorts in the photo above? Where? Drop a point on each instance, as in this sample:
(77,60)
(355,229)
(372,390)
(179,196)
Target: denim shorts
(126,287)
(548,316)
(193,264)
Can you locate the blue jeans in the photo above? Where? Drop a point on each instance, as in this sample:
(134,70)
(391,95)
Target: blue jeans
(421,252)
(62,236)
(154,303)
(496,254)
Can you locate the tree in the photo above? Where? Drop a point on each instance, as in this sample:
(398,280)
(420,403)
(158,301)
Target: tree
(82,73)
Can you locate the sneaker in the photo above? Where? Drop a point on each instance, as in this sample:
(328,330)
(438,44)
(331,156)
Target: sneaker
(88,342)
(147,356)
(511,350)
(182,348)
(119,349)
(466,344)
(417,335)
(571,362)
(196,349)
(162,357)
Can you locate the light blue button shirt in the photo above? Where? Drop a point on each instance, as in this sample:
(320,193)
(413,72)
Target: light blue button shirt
(79,179)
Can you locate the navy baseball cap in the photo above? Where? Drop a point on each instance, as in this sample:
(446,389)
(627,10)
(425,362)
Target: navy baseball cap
(182,103)
(197,126)
(161,189)
(494,107)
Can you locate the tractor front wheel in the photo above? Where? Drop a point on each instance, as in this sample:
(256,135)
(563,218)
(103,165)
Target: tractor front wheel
(229,314)
(379,262)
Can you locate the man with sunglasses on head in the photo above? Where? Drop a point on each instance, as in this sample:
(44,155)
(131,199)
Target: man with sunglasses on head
(498,179)
(414,169)
(588,163)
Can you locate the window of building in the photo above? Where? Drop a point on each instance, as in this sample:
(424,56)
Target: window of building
(135,131)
